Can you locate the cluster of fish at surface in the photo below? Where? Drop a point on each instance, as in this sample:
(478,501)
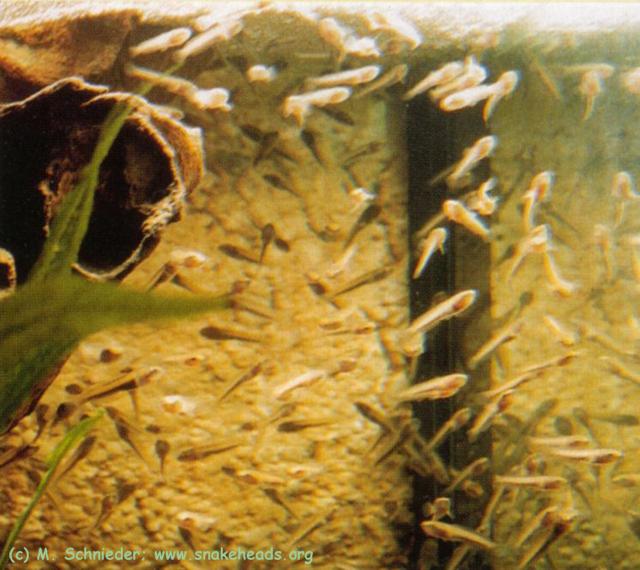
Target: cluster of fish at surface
(545,473)
(518,474)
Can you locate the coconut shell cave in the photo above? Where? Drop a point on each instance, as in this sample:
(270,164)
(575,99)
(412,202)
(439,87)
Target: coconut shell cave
(48,138)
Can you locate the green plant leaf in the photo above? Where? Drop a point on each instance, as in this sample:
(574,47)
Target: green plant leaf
(44,321)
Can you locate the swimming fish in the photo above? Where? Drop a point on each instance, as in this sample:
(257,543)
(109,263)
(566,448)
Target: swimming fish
(474,469)
(492,93)
(486,415)
(168,40)
(347,77)
(435,240)
(471,156)
(162,449)
(536,241)
(538,191)
(455,211)
(395,75)
(456,533)
(434,389)
(473,74)
(593,456)
(444,74)
(503,336)
(447,309)
(539,482)
(299,106)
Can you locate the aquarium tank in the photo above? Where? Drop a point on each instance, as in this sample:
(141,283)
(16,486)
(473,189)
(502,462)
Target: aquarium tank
(343,285)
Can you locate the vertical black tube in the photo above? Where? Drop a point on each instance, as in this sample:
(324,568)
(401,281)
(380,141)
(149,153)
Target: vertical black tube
(435,140)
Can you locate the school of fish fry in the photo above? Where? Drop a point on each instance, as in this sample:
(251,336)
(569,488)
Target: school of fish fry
(292,419)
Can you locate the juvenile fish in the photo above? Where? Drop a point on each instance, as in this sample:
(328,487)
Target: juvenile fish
(396,25)
(16,453)
(536,241)
(395,75)
(501,337)
(106,510)
(307,529)
(591,86)
(435,240)
(559,524)
(455,211)
(542,519)
(472,75)
(163,42)
(399,440)
(299,106)
(250,374)
(302,424)
(538,191)
(455,533)
(223,31)
(480,150)
(434,389)
(374,415)
(203,451)
(444,74)
(438,509)
(300,380)
(64,411)
(511,385)
(623,186)
(41,419)
(205,99)
(451,307)
(128,381)
(218,333)
(238,253)
(333,33)
(162,449)
(557,283)
(496,406)
(475,469)
(309,139)
(481,201)
(261,73)
(539,482)
(492,93)
(361,280)
(561,360)
(456,421)
(370,213)
(125,435)
(593,456)
(348,77)
(78,455)
(267,235)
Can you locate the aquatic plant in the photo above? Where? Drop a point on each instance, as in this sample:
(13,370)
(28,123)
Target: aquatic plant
(54,310)
(72,437)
